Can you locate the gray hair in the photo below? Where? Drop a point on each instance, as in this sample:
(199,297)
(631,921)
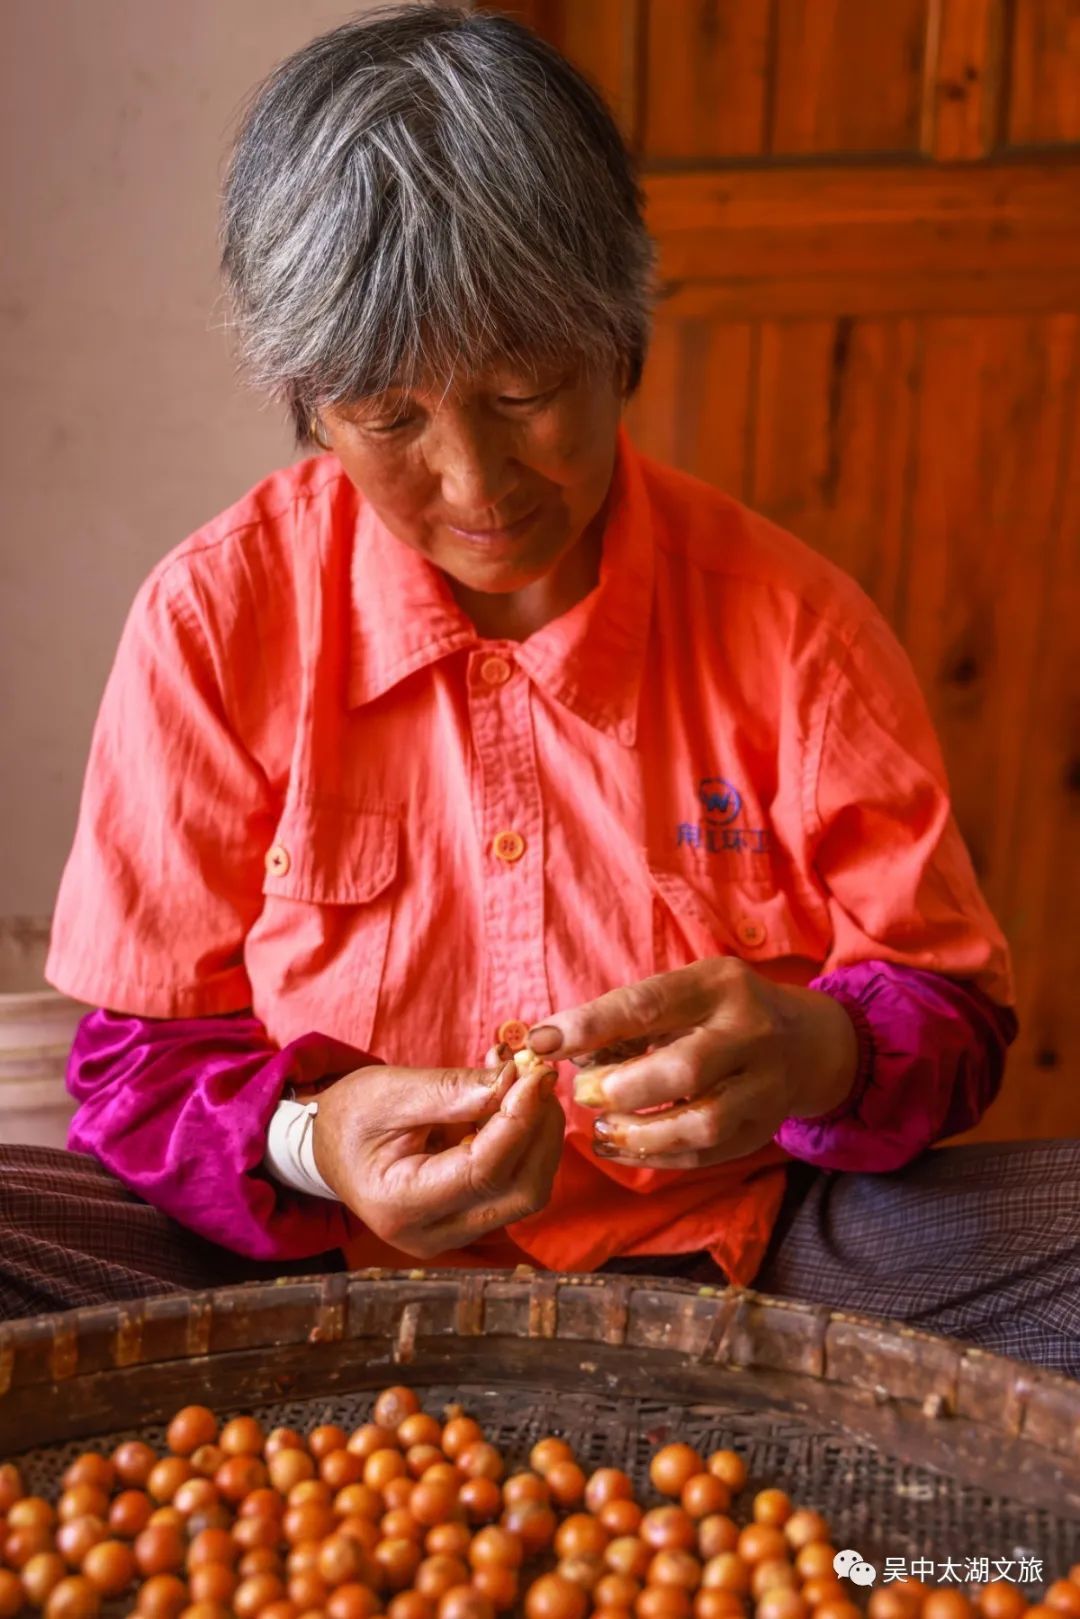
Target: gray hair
(422,191)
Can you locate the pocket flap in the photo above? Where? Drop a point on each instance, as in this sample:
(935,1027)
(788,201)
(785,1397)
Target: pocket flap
(746,919)
(331,853)
(685,900)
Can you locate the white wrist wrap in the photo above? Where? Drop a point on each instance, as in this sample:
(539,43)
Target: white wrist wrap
(290,1149)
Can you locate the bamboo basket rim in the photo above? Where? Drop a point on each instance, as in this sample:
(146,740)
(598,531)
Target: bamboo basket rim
(897,1385)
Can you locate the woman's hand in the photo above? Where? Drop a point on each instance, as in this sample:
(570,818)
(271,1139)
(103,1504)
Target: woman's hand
(732,1056)
(376,1141)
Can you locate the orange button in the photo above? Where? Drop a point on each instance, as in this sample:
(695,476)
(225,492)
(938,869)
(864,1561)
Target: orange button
(277,860)
(495,671)
(508,845)
(512,1033)
(751,932)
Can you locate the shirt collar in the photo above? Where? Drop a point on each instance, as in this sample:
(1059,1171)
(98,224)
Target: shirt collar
(590,659)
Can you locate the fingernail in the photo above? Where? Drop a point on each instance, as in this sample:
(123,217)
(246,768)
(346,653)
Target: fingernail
(603,1151)
(545,1040)
(548,1083)
(602,1130)
(503,1051)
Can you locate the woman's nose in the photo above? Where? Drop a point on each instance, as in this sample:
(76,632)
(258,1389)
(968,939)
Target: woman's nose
(475,473)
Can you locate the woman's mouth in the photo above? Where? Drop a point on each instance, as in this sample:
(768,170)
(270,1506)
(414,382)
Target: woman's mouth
(492,536)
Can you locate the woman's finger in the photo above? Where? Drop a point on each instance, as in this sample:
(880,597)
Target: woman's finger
(410,1098)
(536,1171)
(678,1071)
(698,1126)
(496,1057)
(675,1160)
(651,1007)
(528,1193)
(406,1166)
(617,1051)
(747,1139)
(433,1187)
(501,1144)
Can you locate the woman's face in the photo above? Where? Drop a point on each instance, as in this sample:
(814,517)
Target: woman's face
(494,480)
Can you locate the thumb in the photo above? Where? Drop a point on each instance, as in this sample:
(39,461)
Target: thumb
(423,1096)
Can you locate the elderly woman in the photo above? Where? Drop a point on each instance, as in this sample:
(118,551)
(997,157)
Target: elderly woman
(480,730)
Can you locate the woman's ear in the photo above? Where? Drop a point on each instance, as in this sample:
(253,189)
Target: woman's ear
(316,432)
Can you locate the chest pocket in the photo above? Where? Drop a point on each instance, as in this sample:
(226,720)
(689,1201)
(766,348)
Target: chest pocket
(761,922)
(318,951)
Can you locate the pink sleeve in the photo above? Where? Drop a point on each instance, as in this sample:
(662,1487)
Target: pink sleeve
(931,1056)
(179,1109)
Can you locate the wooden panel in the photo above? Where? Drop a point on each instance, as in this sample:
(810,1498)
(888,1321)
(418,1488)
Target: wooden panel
(653,416)
(833,221)
(962,108)
(1041,908)
(600,38)
(810,422)
(848,76)
(993,407)
(1044,91)
(833,438)
(694,407)
(707,76)
(886,293)
(992,391)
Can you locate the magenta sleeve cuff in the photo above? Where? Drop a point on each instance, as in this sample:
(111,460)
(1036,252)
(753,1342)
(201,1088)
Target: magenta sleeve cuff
(931,1054)
(179,1109)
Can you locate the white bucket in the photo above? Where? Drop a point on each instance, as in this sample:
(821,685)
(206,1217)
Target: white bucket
(37,1026)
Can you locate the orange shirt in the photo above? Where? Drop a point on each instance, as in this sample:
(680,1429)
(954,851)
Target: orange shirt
(315,790)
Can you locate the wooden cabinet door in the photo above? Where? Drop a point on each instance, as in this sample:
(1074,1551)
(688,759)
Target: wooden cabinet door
(869,228)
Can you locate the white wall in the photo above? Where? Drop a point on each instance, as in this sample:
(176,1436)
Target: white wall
(124,427)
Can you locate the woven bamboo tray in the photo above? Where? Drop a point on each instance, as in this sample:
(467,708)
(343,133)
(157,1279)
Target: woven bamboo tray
(912,1445)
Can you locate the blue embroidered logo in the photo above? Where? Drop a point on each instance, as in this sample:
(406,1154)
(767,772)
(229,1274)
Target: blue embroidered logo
(722,801)
(717,833)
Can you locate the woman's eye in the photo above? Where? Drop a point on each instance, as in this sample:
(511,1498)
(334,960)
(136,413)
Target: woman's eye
(526,399)
(385,428)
